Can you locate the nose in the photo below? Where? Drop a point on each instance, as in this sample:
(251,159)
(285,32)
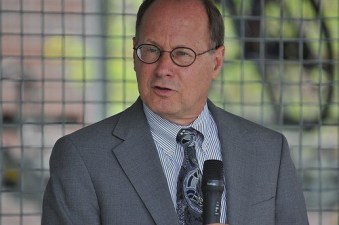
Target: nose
(167,56)
(165,64)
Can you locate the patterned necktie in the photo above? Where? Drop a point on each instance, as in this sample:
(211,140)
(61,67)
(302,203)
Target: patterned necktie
(189,195)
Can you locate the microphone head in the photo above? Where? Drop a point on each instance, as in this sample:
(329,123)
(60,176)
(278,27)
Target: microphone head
(213,170)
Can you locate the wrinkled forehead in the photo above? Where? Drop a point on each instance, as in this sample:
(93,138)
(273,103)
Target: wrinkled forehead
(176,8)
(175,18)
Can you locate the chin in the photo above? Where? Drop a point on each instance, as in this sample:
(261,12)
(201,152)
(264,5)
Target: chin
(162,108)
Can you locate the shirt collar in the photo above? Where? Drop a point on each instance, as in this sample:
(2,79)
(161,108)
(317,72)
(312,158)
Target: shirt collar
(164,132)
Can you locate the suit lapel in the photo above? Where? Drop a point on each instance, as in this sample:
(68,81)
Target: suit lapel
(239,165)
(139,159)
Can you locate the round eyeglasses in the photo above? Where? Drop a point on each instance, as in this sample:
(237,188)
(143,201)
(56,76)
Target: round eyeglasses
(181,56)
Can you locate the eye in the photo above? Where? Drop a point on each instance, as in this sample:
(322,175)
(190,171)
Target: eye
(149,49)
(183,53)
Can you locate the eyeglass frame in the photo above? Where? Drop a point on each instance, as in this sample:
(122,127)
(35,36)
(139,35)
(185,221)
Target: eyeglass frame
(170,52)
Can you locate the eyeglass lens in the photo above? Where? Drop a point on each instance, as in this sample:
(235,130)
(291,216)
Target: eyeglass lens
(181,56)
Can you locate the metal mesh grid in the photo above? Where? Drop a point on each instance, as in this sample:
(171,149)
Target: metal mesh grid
(67,63)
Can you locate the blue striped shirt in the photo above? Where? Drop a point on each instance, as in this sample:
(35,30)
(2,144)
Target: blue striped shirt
(171,153)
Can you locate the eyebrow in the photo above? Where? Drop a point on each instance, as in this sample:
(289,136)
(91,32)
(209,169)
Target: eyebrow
(148,41)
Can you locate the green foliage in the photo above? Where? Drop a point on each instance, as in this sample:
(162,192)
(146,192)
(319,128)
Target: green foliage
(78,63)
(283,84)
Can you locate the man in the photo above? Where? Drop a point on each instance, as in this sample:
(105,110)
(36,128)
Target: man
(125,169)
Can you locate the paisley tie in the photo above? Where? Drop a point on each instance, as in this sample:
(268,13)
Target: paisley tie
(189,195)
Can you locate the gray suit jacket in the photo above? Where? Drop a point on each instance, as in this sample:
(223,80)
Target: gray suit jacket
(110,173)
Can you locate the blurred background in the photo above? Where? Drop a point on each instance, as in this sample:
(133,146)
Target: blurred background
(67,63)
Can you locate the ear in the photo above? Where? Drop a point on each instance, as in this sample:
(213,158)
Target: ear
(134,44)
(219,54)
(134,41)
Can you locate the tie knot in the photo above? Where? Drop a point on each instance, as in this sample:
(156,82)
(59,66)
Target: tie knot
(186,137)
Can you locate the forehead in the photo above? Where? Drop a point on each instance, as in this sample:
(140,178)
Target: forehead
(175,19)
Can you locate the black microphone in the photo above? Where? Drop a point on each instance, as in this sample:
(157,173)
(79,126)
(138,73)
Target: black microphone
(212,189)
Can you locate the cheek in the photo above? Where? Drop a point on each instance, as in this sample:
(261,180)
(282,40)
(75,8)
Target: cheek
(202,78)
(201,85)
(139,71)
(143,78)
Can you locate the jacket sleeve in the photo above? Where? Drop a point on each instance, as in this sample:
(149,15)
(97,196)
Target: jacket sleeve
(290,203)
(69,197)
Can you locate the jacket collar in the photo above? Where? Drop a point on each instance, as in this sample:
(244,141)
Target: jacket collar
(237,154)
(139,159)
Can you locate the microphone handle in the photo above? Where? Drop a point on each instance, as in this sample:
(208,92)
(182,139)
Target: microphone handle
(212,202)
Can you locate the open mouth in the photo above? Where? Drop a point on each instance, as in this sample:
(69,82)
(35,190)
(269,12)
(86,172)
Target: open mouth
(163,91)
(163,88)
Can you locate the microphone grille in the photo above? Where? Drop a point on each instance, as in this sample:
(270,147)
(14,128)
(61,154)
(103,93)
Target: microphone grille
(213,170)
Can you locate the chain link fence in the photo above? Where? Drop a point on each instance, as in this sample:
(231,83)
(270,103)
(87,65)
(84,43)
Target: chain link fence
(67,63)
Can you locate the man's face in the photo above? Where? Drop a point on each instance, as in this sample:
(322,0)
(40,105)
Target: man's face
(176,93)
